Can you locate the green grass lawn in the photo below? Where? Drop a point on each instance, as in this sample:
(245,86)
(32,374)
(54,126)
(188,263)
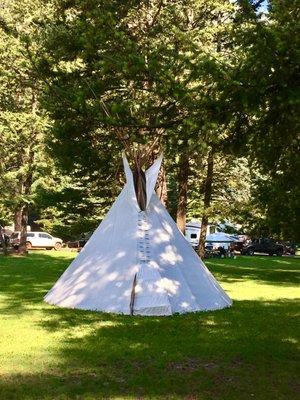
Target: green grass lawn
(246,352)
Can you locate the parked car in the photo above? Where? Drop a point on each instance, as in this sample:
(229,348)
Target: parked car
(77,244)
(237,246)
(263,245)
(37,240)
(80,243)
(289,248)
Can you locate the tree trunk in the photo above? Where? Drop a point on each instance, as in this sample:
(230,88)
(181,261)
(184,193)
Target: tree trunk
(24,219)
(183,175)
(3,242)
(18,219)
(206,203)
(24,222)
(26,183)
(203,230)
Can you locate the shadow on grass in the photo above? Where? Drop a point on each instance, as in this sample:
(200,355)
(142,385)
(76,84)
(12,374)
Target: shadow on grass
(247,351)
(25,280)
(228,354)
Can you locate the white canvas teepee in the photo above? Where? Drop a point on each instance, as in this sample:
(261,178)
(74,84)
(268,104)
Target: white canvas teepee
(138,262)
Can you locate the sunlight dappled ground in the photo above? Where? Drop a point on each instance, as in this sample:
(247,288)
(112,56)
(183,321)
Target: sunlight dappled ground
(247,351)
(258,278)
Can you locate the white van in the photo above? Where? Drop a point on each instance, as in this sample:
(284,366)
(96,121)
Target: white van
(37,240)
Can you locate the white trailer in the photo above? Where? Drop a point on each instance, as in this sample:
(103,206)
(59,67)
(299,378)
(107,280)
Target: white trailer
(214,236)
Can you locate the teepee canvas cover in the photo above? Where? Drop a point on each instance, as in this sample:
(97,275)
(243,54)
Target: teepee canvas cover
(138,262)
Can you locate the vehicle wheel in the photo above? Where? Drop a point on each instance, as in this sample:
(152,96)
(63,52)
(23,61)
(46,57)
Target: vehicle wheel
(57,246)
(271,254)
(279,253)
(250,252)
(28,245)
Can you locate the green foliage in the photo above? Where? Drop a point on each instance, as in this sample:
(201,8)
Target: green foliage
(80,79)
(22,122)
(28,176)
(69,207)
(131,71)
(274,209)
(230,188)
(270,74)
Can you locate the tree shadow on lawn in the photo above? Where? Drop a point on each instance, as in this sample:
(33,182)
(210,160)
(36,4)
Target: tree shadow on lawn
(227,354)
(25,280)
(268,270)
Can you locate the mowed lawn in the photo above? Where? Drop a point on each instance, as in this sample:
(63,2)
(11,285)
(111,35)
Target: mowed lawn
(246,352)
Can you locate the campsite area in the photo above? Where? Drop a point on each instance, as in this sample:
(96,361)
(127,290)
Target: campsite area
(149,200)
(244,352)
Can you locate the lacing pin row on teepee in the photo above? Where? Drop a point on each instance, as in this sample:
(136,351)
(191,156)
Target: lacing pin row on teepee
(143,242)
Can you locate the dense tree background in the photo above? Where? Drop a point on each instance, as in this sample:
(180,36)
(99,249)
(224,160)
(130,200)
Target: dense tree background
(269,77)
(213,82)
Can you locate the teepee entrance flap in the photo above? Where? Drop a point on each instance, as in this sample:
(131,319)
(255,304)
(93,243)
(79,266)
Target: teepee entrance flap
(150,298)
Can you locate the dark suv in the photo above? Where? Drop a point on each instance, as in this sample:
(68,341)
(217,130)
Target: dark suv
(263,245)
